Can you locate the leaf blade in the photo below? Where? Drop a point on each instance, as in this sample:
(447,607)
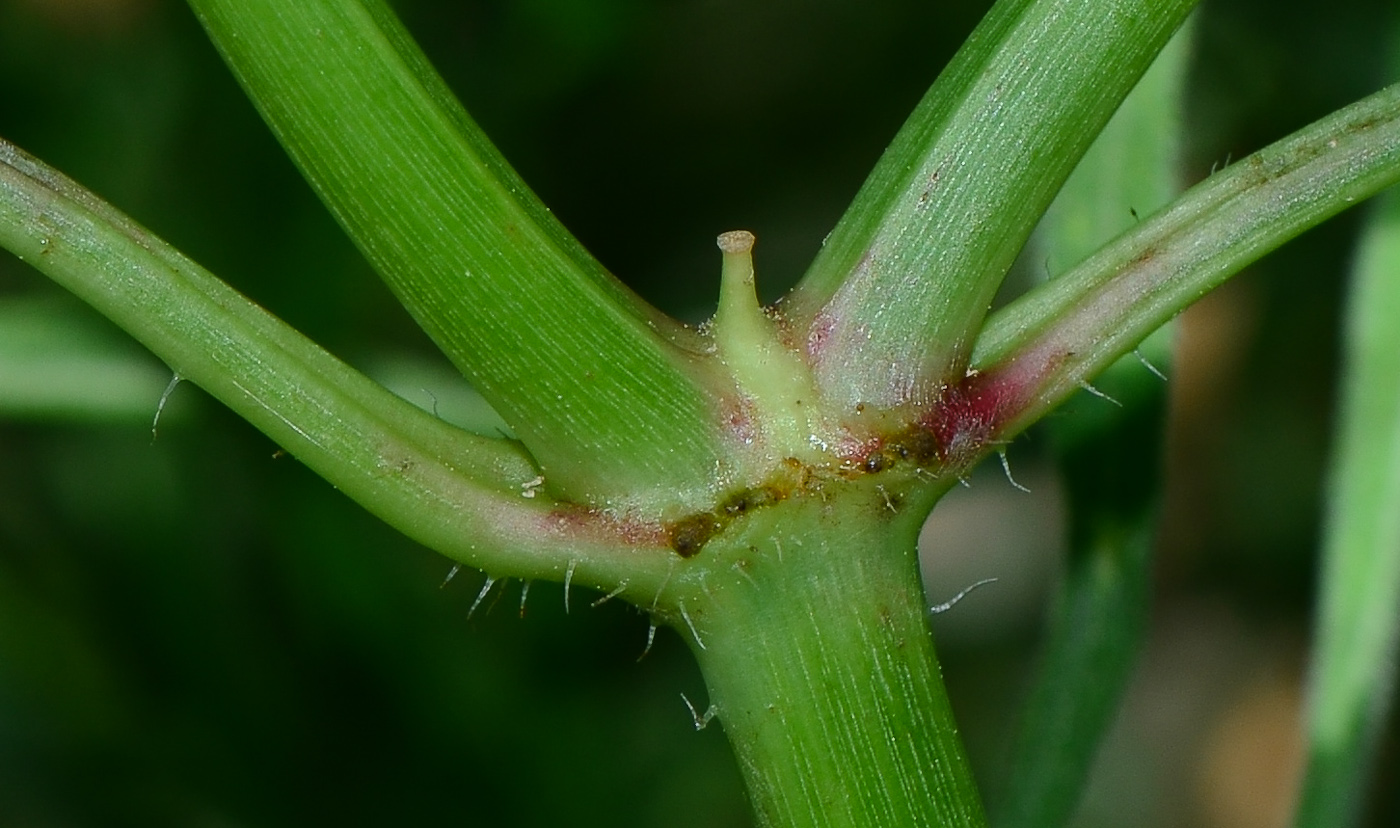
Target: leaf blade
(609,395)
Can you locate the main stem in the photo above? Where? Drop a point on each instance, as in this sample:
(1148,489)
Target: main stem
(811,628)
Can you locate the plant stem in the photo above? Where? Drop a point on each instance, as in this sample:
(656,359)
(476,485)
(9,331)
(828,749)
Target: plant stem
(465,495)
(1067,330)
(892,304)
(609,395)
(809,623)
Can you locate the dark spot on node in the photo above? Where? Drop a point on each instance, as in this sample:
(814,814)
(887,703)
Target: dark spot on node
(922,446)
(766,496)
(690,534)
(741,502)
(875,463)
(747,500)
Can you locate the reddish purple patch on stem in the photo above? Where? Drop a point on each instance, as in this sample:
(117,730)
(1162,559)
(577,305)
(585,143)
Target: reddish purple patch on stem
(856,451)
(819,334)
(976,412)
(970,415)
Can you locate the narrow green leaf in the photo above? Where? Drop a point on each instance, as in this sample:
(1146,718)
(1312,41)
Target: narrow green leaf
(1109,459)
(602,389)
(1062,333)
(1352,676)
(472,498)
(893,302)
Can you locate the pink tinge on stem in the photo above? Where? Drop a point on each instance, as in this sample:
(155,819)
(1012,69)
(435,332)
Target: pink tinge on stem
(977,412)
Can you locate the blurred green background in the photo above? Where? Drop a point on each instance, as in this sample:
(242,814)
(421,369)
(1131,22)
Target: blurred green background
(195,632)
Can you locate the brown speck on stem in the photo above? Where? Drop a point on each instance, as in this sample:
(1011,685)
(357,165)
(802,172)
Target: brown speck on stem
(690,534)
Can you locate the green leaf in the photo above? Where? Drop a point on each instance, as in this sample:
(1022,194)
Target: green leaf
(1352,675)
(892,304)
(605,392)
(472,498)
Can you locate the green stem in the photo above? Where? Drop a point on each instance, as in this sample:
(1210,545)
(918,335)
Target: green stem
(809,623)
(892,304)
(464,495)
(608,395)
(1044,345)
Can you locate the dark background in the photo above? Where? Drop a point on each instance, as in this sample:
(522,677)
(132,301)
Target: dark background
(195,633)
